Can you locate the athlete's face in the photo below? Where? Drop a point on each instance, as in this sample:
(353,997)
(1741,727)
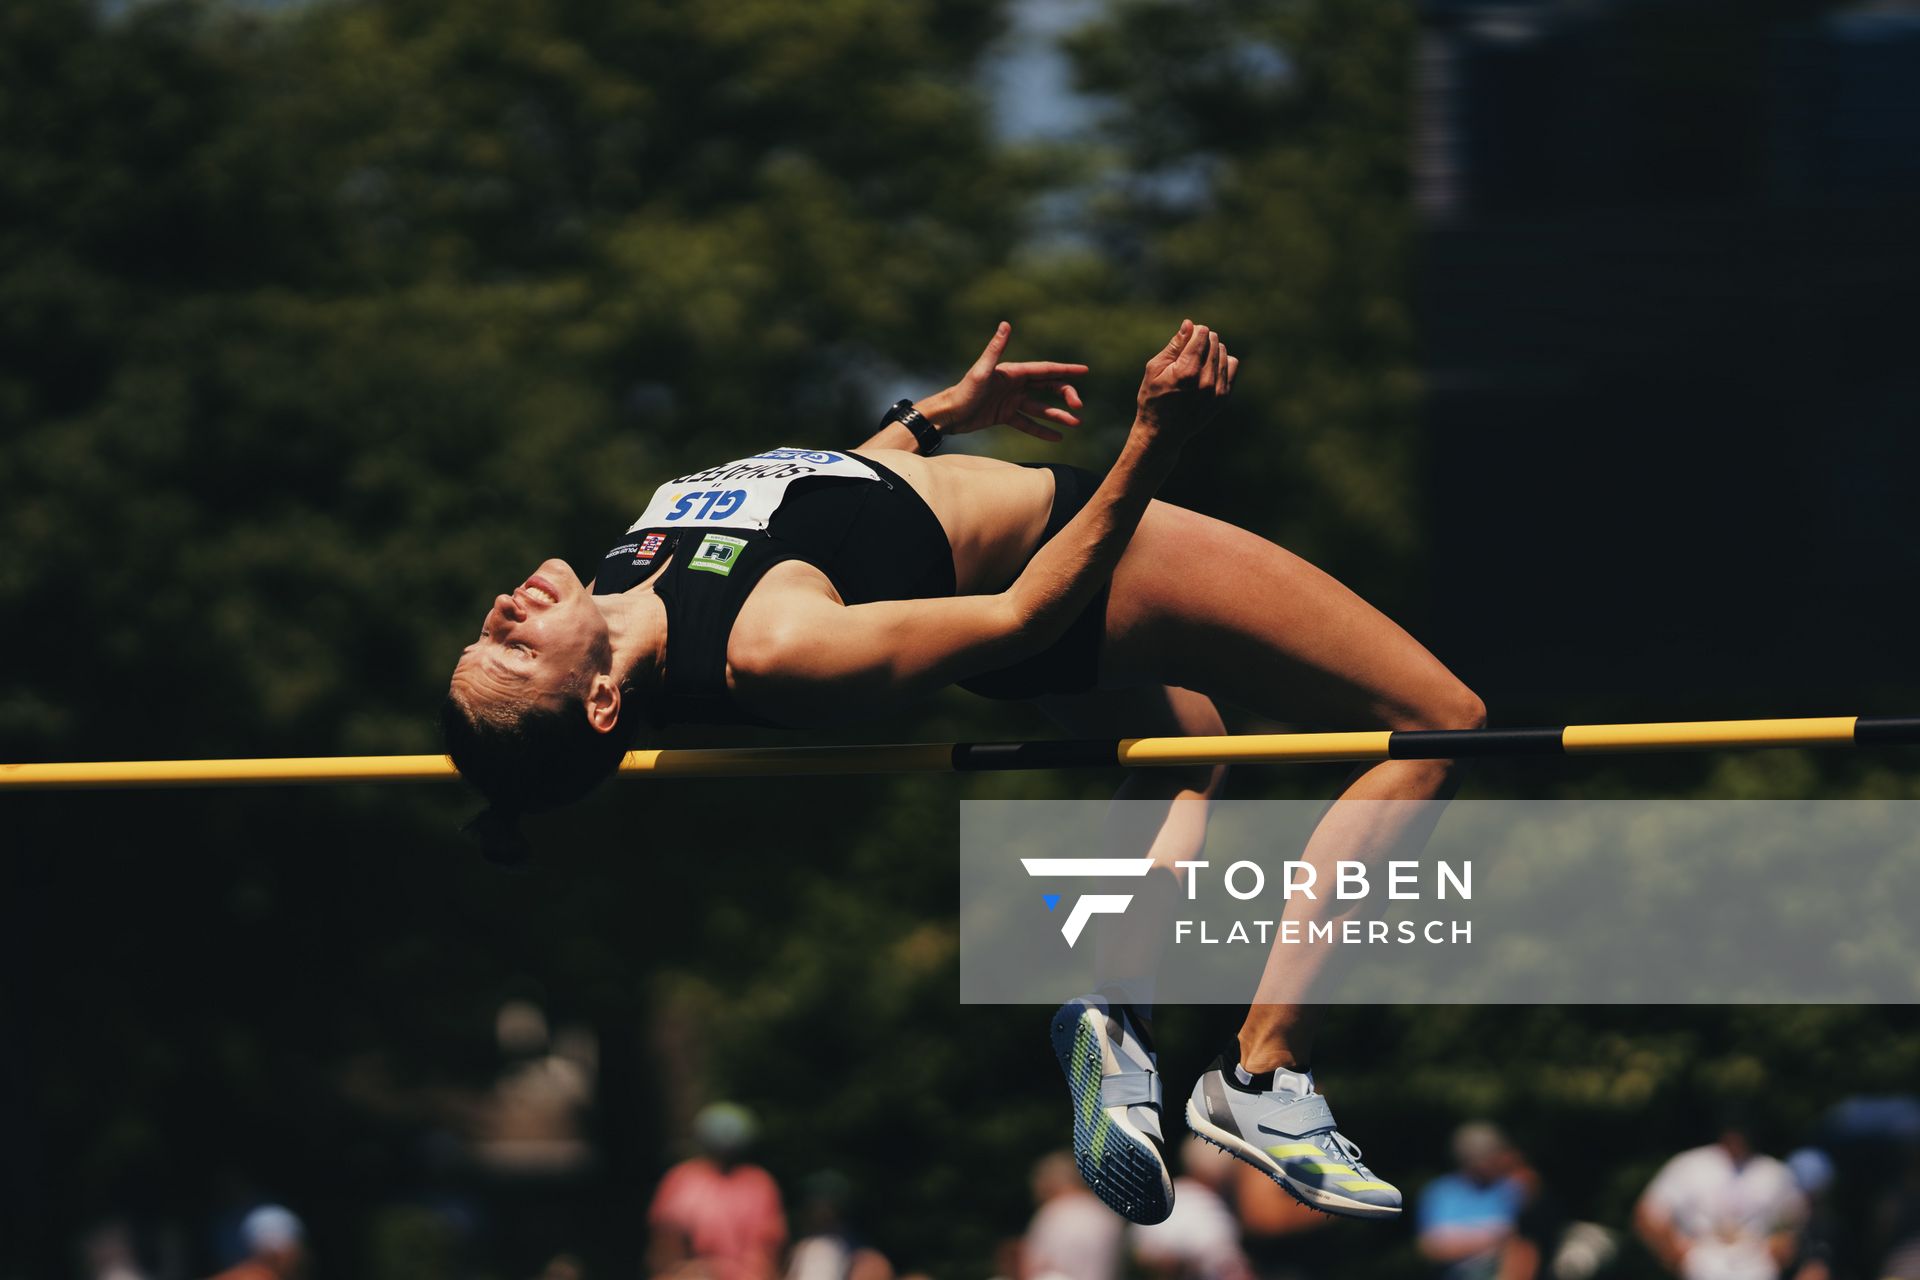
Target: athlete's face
(534,642)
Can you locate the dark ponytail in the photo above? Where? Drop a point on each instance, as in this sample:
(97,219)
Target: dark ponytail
(497,831)
(524,760)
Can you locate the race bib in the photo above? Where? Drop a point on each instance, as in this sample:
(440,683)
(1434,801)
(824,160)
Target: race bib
(742,494)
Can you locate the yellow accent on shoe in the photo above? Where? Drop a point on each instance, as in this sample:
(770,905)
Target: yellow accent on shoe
(1287,1149)
(1366,1186)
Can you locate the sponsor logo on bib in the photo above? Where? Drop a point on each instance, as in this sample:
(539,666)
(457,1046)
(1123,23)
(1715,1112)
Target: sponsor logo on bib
(745,493)
(716,554)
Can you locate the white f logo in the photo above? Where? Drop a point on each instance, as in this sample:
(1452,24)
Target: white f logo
(1091,904)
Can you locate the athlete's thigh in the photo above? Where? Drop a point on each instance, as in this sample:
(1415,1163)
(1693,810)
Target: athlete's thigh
(1206,605)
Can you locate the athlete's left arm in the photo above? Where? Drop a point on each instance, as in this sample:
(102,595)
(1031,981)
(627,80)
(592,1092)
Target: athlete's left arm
(996,394)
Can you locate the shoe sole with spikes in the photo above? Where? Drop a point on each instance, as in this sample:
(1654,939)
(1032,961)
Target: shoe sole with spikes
(1120,1164)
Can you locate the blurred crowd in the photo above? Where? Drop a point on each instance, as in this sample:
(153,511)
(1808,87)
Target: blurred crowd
(517,1162)
(1721,1211)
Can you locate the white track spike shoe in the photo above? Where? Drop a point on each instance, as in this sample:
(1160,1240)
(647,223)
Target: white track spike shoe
(1106,1051)
(1292,1139)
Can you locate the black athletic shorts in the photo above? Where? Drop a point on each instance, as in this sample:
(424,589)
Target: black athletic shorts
(1070,664)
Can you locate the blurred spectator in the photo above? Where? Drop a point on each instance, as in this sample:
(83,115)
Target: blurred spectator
(1283,1239)
(1200,1240)
(530,1124)
(1899,1223)
(1812,1171)
(1496,1220)
(108,1253)
(1006,1259)
(716,1214)
(831,1249)
(1072,1236)
(275,1242)
(1585,1249)
(1722,1211)
(1465,1219)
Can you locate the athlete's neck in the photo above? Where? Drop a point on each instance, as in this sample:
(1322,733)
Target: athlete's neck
(637,629)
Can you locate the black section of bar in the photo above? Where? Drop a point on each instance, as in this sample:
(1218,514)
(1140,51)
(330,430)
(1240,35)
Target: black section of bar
(1066,753)
(1457,744)
(1886,730)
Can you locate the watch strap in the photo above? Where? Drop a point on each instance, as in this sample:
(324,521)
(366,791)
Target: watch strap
(925,434)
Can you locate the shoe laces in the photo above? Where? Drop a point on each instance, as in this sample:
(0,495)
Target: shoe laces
(1348,1147)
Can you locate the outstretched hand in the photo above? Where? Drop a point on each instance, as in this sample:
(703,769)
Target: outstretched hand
(1185,382)
(1033,396)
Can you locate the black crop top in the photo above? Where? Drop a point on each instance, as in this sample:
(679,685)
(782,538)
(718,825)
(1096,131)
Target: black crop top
(875,540)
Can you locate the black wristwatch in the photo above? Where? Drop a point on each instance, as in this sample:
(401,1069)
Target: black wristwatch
(924,432)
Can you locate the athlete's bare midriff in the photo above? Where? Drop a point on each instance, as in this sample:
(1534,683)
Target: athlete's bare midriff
(994,512)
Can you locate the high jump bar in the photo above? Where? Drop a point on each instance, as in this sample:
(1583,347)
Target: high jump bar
(989,757)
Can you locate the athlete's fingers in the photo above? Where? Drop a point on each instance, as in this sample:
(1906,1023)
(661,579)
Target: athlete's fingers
(1219,368)
(991,356)
(1052,413)
(1067,392)
(1199,354)
(1042,369)
(1233,370)
(1026,422)
(1194,356)
(1179,341)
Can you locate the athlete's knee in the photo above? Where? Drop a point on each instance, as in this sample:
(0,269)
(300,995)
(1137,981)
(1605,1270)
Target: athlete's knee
(1447,704)
(1464,709)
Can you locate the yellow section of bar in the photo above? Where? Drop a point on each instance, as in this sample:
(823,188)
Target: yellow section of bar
(220,773)
(762,762)
(1708,735)
(1254,748)
(718,762)
(916,757)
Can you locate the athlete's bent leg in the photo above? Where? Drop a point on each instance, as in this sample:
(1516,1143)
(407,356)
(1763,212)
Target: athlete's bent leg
(1164,814)
(1104,1040)
(1200,603)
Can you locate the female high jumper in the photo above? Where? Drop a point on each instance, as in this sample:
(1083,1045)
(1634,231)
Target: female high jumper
(807,587)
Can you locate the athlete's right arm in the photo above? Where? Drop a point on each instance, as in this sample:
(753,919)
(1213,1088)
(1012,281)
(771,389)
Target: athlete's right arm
(814,658)
(1179,394)
(799,656)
